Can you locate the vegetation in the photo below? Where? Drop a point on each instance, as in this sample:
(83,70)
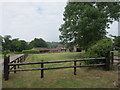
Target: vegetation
(38,42)
(12,45)
(62,78)
(52,44)
(85,22)
(8,45)
(100,48)
(117,41)
(30,51)
(18,45)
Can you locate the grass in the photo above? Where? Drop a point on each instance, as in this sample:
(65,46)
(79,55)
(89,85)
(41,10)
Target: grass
(1,56)
(117,53)
(62,78)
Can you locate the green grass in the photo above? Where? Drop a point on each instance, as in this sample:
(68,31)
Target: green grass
(117,53)
(1,56)
(60,78)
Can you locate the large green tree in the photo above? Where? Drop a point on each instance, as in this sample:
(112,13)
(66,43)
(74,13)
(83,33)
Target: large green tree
(85,22)
(37,42)
(18,45)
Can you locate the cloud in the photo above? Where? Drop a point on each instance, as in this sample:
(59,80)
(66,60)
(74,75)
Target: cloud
(30,20)
(113,29)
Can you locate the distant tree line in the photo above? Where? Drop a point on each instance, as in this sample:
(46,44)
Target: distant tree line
(7,44)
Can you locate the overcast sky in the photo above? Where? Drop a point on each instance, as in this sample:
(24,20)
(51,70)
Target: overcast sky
(35,20)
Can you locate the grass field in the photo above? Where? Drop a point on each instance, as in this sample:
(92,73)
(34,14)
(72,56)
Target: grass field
(1,56)
(60,78)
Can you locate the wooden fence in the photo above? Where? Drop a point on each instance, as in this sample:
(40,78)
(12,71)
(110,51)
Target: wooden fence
(11,66)
(7,61)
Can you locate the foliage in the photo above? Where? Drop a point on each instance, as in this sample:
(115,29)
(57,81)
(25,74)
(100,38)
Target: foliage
(85,22)
(100,49)
(30,51)
(52,44)
(6,43)
(117,41)
(37,42)
(18,45)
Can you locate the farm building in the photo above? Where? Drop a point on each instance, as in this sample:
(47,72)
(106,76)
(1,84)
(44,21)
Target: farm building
(60,48)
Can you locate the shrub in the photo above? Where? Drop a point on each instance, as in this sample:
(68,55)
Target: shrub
(30,51)
(100,49)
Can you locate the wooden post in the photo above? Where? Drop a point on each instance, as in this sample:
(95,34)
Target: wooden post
(14,67)
(74,68)
(112,58)
(21,58)
(6,67)
(18,62)
(42,71)
(24,57)
(8,63)
(107,61)
(4,64)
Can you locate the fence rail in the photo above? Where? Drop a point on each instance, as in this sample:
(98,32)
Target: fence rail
(7,67)
(59,61)
(58,67)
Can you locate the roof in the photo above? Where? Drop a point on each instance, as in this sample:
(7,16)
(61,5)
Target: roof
(61,45)
(46,49)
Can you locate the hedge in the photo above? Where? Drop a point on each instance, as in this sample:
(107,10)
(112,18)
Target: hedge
(30,51)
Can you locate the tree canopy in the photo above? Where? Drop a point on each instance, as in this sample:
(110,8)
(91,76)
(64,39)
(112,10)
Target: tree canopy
(117,41)
(16,45)
(85,22)
(38,42)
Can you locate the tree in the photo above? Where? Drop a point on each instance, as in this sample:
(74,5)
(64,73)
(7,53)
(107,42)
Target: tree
(38,42)
(52,44)
(85,22)
(18,45)
(117,41)
(6,44)
(1,41)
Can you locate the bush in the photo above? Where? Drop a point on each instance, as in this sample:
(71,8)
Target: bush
(30,51)
(100,49)
(117,42)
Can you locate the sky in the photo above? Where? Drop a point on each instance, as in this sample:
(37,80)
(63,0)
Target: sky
(29,20)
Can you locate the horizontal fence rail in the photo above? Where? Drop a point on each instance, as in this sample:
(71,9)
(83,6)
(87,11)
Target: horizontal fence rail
(59,61)
(58,67)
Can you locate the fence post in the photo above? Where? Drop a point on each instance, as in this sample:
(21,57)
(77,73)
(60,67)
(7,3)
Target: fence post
(18,62)
(107,61)
(6,67)
(14,67)
(112,58)
(8,63)
(24,57)
(74,67)
(42,71)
